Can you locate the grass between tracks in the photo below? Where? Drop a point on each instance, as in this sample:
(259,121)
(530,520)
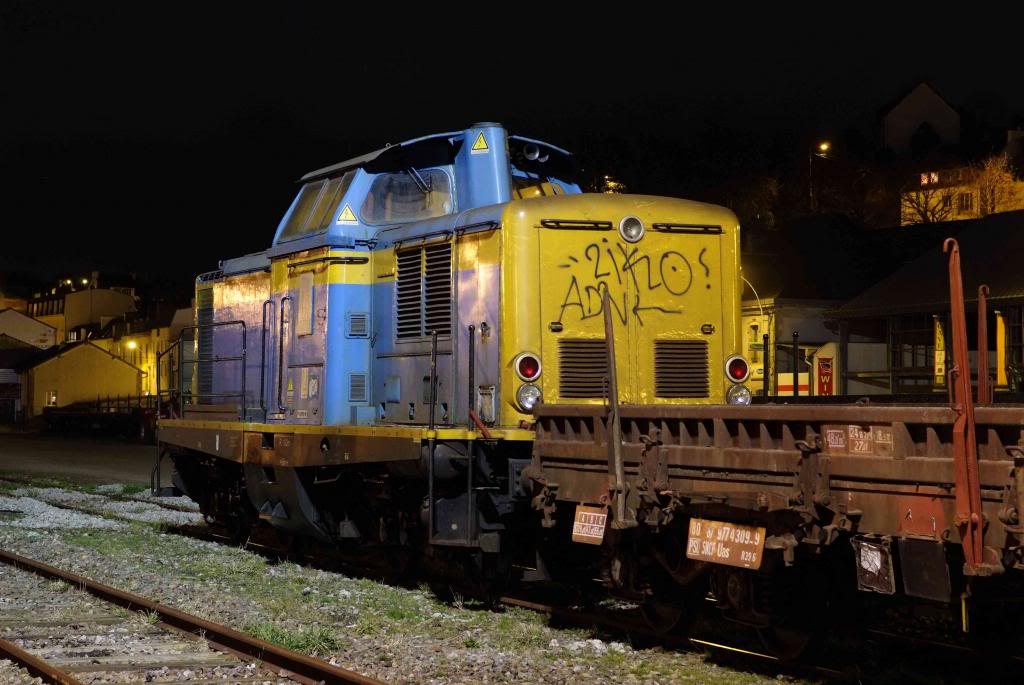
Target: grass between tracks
(359,621)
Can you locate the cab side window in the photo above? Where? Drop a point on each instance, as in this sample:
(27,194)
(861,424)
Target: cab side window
(316,206)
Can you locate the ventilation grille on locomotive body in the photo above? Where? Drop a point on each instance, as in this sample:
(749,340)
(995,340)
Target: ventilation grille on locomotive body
(681,369)
(358,325)
(357,387)
(423,291)
(205,353)
(582,368)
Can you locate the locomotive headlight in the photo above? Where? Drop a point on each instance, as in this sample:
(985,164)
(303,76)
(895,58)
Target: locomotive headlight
(631,229)
(527,396)
(738,394)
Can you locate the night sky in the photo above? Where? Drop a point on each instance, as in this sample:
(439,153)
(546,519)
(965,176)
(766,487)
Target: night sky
(159,143)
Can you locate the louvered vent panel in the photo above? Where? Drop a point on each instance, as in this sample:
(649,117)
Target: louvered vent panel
(423,292)
(408,295)
(437,282)
(681,368)
(358,325)
(582,368)
(204,367)
(357,387)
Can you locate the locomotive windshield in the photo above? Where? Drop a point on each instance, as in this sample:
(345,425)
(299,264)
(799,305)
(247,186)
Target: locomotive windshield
(409,195)
(316,205)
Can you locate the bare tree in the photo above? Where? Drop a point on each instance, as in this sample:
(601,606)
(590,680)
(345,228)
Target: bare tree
(926,205)
(755,200)
(995,182)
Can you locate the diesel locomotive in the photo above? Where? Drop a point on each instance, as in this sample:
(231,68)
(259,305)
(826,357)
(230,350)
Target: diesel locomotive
(370,380)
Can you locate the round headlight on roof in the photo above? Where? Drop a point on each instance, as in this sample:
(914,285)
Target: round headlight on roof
(631,229)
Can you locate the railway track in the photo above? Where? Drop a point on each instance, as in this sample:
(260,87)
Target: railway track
(736,653)
(68,630)
(631,625)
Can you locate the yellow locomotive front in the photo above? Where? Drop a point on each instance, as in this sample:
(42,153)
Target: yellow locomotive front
(668,270)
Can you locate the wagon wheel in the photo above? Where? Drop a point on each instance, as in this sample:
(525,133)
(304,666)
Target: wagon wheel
(666,619)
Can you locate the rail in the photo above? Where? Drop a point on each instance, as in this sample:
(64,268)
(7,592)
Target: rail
(298,666)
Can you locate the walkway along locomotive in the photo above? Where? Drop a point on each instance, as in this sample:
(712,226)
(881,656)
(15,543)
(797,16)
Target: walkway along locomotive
(792,515)
(368,381)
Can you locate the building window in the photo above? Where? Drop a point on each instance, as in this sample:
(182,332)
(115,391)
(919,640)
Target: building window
(929,178)
(947,202)
(912,353)
(72,336)
(964,203)
(51,398)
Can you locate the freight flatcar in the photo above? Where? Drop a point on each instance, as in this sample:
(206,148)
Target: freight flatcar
(795,517)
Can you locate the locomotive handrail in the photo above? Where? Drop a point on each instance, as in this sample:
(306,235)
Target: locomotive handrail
(183,394)
(431,441)
(280,353)
(263,355)
(159,391)
(328,261)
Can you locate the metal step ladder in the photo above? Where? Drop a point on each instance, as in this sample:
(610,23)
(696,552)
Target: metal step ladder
(452,522)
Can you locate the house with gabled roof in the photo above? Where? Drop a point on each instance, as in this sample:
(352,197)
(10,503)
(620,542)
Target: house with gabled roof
(77,372)
(19,326)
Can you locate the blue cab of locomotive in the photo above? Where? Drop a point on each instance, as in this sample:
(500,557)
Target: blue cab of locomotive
(311,304)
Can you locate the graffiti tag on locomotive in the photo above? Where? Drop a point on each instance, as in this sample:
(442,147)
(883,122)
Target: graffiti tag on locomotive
(636,281)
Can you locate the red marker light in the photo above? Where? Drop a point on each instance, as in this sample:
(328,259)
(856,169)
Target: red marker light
(737,369)
(528,367)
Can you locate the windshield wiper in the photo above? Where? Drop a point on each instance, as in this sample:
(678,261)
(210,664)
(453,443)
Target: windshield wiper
(421,183)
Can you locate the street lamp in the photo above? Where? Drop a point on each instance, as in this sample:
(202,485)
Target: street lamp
(820,150)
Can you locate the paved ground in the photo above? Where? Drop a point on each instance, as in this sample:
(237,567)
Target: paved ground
(85,459)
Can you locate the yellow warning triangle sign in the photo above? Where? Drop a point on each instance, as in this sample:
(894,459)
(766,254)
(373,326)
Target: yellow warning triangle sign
(347,216)
(480,145)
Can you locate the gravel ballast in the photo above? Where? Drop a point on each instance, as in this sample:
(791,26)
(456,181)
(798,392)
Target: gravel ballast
(395,634)
(132,510)
(12,674)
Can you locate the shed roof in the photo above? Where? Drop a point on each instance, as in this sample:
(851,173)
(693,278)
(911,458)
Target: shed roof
(990,250)
(829,258)
(14,353)
(8,312)
(60,350)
